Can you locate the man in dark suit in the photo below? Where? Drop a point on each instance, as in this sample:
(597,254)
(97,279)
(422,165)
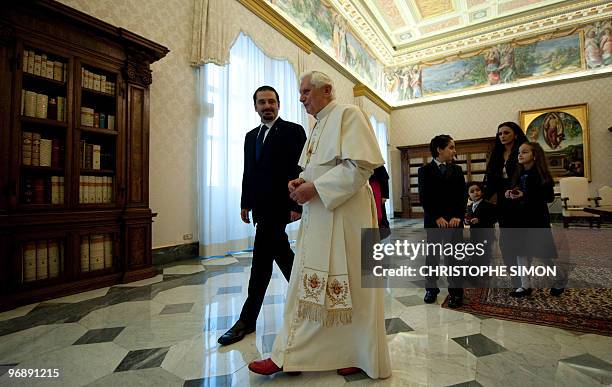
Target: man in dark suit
(481,216)
(271,153)
(443,198)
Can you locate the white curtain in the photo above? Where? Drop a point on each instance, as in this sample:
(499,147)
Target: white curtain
(382,135)
(226,115)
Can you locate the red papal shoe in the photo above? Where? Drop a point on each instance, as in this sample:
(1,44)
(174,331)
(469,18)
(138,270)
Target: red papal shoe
(348,371)
(264,367)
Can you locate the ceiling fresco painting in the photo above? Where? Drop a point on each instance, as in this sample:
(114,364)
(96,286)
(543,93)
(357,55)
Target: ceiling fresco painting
(562,40)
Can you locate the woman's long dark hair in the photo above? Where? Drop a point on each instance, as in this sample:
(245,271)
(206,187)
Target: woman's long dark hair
(497,154)
(496,160)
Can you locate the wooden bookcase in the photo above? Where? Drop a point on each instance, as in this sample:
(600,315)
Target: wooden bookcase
(472,156)
(74,200)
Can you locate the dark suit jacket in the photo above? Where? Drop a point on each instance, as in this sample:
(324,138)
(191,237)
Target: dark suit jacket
(264,182)
(486,214)
(442,196)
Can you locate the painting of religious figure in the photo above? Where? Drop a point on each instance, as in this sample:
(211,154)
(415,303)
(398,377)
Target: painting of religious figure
(563,133)
(598,44)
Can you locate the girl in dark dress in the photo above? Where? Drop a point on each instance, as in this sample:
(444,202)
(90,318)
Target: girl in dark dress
(532,191)
(501,168)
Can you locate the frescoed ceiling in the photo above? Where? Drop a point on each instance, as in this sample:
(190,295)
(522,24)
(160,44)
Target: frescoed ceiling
(398,30)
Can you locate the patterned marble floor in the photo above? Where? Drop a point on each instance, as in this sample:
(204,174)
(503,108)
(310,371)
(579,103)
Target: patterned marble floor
(163,332)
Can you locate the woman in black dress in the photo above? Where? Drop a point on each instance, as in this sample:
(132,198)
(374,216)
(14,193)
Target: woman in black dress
(501,169)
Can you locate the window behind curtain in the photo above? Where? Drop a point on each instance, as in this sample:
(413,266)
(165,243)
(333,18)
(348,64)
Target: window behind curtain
(227,113)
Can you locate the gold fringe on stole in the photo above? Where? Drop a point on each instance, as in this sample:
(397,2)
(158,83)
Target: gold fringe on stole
(329,318)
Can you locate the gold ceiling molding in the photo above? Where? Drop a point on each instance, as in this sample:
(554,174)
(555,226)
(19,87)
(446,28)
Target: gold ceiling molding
(379,46)
(361,90)
(267,14)
(457,44)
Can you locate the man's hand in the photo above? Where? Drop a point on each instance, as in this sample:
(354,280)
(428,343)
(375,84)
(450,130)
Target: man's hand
(303,193)
(454,222)
(295,216)
(441,222)
(293,184)
(474,221)
(244,214)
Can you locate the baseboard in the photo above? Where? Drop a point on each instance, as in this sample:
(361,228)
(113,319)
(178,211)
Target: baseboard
(164,255)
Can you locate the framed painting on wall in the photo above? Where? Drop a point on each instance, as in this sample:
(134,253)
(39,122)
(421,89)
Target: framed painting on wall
(563,133)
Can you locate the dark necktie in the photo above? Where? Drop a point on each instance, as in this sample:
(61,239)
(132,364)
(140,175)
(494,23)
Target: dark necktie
(444,169)
(259,143)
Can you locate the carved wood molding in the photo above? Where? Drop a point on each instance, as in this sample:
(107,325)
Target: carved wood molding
(137,68)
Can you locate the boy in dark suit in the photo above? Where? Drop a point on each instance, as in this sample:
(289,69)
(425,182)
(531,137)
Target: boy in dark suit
(271,153)
(481,216)
(443,197)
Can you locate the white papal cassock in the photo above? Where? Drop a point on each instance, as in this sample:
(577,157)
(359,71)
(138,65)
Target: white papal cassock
(343,325)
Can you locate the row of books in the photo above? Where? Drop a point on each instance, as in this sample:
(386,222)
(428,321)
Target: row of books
(39,151)
(41,65)
(42,259)
(96,252)
(96,82)
(43,190)
(95,189)
(89,117)
(93,157)
(43,106)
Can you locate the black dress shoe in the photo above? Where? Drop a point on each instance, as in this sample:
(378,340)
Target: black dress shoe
(521,292)
(236,333)
(430,296)
(556,291)
(455,302)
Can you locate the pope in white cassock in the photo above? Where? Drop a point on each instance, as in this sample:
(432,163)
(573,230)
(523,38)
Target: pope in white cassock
(330,321)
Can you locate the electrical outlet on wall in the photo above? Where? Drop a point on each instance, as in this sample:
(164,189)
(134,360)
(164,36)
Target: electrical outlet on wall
(187,237)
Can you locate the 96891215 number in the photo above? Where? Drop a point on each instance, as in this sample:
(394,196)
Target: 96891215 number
(33,373)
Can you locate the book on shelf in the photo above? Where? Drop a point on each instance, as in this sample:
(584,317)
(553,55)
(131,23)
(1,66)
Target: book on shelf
(41,260)
(41,105)
(37,63)
(92,189)
(35,159)
(99,187)
(58,71)
(54,258)
(23,99)
(110,122)
(38,188)
(96,251)
(55,190)
(61,190)
(61,108)
(84,253)
(88,156)
(87,116)
(31,61)
(26,148)
(29,261)
(46,149)
(29,108)
(108,251)
(56,151)
(96,120)
(28,190)
(95,156)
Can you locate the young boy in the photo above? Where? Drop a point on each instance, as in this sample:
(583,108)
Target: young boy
(443,197)
(480,215)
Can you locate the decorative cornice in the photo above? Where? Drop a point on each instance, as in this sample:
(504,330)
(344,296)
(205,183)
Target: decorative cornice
(360,90)
(137,69)
(274,19)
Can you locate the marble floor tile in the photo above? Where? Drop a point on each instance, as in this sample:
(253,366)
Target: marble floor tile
(597,345)
(20,346)
(162,331)
(142,359)
(77,365)
(411,300)
(229,290)
(183,269)
(219,261)
(74,298)
(103,335)
(274,299)
(479,345)
(513,369)
(4,368)
(471,383)
(177,308)
(17,312)
(216,381)
(150,377)
(149,281)
(591,366)
(396,325)
(121,315)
